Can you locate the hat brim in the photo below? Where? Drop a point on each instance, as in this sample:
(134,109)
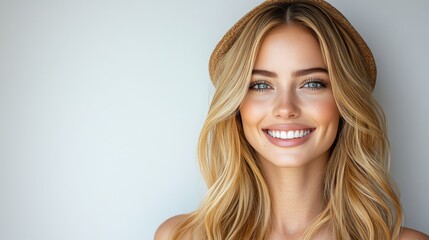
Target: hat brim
(232,34)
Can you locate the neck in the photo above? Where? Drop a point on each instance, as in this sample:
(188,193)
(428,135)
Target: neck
(296,196)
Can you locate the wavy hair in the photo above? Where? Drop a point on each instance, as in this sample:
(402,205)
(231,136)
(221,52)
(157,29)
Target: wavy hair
(360,198)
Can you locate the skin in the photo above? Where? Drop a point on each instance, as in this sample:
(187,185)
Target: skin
(285,100)
(280,99)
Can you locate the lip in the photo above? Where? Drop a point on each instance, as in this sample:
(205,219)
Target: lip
(288,127)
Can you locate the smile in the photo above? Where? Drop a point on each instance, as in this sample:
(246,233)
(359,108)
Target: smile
(293,134)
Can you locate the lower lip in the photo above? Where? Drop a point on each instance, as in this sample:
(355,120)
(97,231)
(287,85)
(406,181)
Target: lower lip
(287,142)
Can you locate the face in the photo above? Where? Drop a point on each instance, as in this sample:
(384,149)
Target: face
(289,115)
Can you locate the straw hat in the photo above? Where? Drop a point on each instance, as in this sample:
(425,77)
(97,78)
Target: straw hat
(231,36)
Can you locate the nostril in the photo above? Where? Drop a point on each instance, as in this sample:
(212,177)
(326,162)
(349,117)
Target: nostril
(286,114)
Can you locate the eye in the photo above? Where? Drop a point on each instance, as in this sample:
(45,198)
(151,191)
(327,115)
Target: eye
(259,86)
(314,84)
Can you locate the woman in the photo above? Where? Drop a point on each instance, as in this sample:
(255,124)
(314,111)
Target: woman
(294,145)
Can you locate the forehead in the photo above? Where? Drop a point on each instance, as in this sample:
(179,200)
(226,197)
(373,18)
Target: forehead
(289,47)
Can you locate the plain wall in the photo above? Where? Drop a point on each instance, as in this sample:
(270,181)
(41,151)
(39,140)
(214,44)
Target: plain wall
(101,104)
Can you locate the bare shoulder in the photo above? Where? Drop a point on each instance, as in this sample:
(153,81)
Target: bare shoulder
(165,230)
(411,234)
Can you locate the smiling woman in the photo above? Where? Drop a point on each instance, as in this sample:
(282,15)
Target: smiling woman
(294,145)
(289,115)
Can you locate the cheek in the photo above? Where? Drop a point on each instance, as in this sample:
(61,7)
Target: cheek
(328,119)
(324,111)
(329,114)
(252,112)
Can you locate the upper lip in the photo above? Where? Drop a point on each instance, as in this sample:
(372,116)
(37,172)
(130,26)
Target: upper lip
(288,127)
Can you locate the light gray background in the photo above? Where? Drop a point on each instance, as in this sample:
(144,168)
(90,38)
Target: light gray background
(101,104)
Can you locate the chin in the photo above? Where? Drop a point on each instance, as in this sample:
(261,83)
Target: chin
(293,161)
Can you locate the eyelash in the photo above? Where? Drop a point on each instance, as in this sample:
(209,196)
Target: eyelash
(256,86)
(320,84)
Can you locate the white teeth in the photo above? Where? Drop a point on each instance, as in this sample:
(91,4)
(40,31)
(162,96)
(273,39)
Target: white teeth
(288,134)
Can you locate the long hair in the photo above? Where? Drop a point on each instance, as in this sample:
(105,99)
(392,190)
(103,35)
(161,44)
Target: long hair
(360,199)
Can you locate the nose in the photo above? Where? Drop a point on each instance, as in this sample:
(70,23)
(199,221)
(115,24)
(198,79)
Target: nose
(286,106)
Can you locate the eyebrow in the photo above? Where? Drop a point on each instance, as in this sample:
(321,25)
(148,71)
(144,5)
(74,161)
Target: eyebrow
(303,72)
(296,73)
(264,73)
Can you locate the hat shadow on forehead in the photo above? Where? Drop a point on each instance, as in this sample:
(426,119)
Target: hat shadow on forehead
(234,32)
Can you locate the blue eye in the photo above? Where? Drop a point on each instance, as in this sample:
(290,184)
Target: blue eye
(314,84)
(259,86)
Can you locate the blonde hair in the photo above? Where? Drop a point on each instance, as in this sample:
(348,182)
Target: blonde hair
(359,195)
